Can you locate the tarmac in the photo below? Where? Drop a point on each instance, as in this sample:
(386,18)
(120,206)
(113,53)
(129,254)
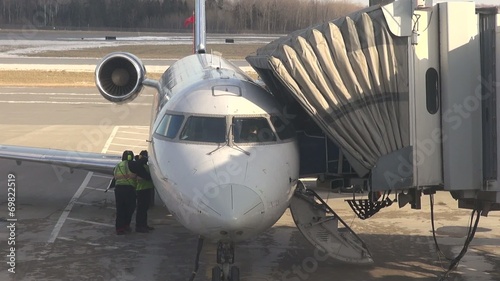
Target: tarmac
(64,219)
(64,228)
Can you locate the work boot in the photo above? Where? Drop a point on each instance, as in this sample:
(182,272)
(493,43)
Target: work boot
(142,229)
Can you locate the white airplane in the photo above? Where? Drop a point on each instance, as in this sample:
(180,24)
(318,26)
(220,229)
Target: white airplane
(223,157)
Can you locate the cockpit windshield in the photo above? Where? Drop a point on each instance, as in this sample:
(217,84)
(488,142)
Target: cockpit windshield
(252,129)
(244,129)
(169,125)
(204,129)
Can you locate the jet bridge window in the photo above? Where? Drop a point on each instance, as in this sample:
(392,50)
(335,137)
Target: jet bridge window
(204,129)
(169,125)
(252,129)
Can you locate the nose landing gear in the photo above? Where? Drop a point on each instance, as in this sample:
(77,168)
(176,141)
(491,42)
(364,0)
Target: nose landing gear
(224,271)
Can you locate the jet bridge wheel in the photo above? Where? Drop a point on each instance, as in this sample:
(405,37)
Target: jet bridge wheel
(325,230)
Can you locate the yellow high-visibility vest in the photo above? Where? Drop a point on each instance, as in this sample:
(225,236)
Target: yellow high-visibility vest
(142,183)
(123,175)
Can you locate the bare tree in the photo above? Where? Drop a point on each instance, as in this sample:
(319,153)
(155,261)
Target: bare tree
(268,16)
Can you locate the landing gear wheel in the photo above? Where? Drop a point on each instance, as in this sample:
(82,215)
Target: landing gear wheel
(234,274)
(216,274)
(225,258)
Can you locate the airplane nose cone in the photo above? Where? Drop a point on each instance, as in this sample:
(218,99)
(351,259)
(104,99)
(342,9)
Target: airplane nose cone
(233,207)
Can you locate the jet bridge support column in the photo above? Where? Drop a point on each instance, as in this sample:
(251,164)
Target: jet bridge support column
(488,197)
(461,105)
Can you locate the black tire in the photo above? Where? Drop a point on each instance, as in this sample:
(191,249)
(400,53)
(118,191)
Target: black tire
(234,274)
(216,274)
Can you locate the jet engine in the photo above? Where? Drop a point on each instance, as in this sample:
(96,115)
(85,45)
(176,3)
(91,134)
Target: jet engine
(119,77)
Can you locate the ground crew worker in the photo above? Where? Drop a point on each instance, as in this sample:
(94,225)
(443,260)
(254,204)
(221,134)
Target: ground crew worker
(125,182)
(144,191)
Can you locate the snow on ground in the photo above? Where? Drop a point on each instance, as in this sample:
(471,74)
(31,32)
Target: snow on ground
(18,45)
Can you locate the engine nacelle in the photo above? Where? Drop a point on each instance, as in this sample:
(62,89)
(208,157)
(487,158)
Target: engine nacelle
(119,77)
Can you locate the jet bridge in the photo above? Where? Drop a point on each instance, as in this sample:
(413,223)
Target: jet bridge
(405,91)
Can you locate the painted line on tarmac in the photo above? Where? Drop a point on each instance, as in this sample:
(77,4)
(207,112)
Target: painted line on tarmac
(49,94)
(66,238)
(95,188)
(66,102)
(115,151)
(110,139)
(59,94)
(69,207)
(130,132)
(128,145)
(120,138)
(135,127)
(94,205)
(92,222)
(67,210)
(74,98)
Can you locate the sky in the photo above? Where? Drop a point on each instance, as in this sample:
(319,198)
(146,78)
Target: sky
(488,2)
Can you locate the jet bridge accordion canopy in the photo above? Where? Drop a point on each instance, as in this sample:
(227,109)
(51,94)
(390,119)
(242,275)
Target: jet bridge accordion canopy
(351,76)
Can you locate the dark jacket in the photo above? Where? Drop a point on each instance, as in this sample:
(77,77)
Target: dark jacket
(136,167)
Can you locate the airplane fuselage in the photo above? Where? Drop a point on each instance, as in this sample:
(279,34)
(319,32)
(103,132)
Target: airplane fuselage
(216,177)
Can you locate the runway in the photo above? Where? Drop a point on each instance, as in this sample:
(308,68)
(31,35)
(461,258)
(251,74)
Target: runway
(65,220)
(33,41)
(88,64)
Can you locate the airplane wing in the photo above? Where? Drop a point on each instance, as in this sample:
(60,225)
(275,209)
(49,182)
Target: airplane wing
(94,162)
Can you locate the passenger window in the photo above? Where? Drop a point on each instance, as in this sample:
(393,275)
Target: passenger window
(283,128)
(169,125)
(204,129)
(255,129)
